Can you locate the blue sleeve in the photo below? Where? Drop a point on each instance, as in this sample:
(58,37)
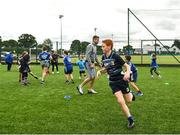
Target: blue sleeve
(64,60)
(39,56)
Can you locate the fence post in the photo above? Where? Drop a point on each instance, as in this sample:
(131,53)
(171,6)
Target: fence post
(141,53)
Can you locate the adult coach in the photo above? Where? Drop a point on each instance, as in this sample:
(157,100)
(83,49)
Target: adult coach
(91,58)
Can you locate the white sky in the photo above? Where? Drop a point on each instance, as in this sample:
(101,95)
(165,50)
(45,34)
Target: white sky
(40,18)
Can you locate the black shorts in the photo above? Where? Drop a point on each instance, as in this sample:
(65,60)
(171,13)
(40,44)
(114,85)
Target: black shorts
(82,72)
(68,70)
(120,85)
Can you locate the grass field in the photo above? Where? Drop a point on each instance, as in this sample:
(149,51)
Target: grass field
(42,108)
(161,59)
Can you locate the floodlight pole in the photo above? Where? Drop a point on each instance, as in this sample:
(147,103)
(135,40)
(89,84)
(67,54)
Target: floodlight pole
(60,17)
(95,30)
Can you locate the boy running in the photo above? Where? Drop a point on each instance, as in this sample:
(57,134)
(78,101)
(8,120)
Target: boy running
(118,81)
(154,66)
(133,75)
(44,58)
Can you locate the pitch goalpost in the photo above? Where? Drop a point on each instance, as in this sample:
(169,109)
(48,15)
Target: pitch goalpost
(130,12)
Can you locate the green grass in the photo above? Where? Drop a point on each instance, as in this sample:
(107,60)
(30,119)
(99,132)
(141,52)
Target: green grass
(161,59)
(42,108)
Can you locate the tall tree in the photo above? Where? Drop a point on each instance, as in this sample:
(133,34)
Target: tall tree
(126,48)
(48,43)
(84,44)
(10,43)
(76,47)
(27,41)
(99,50)
(176,43)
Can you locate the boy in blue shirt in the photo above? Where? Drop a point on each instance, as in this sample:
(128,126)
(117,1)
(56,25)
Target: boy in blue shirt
(154,66)
(44,58)
(81,64)
(68,68)
(133,75)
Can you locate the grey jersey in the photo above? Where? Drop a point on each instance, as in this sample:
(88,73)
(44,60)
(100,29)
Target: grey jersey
(91,54)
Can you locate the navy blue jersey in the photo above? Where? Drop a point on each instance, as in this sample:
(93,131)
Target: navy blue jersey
(153,63)
(132,67)
(67,61)
(113,65)
(44,56)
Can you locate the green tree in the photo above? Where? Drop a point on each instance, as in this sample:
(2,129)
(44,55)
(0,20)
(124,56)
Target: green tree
(9,45)
(76,47)
(176,43)
(99,50)
(48,43)
(127,49)
(84,44)
(27,41)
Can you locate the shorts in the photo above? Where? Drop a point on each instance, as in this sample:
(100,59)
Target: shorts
(24,69)
(133,77)
(82,72)
(68,70)
(120,85)
(91,71)
(45,63)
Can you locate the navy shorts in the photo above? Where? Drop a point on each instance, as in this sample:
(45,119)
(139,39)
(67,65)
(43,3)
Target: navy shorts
(82,72)
(68,70)
(120,85)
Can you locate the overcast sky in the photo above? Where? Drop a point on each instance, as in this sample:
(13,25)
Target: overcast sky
(40,18)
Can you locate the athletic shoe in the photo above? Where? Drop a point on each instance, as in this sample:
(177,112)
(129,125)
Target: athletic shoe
(159,76)
(52,72)
(72,82)
(80,90)
(139,93)
(92,92)
(24,83)
(57,72)
(152,76)
(66,81)
(36,77)
(131,122)
(42,82)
